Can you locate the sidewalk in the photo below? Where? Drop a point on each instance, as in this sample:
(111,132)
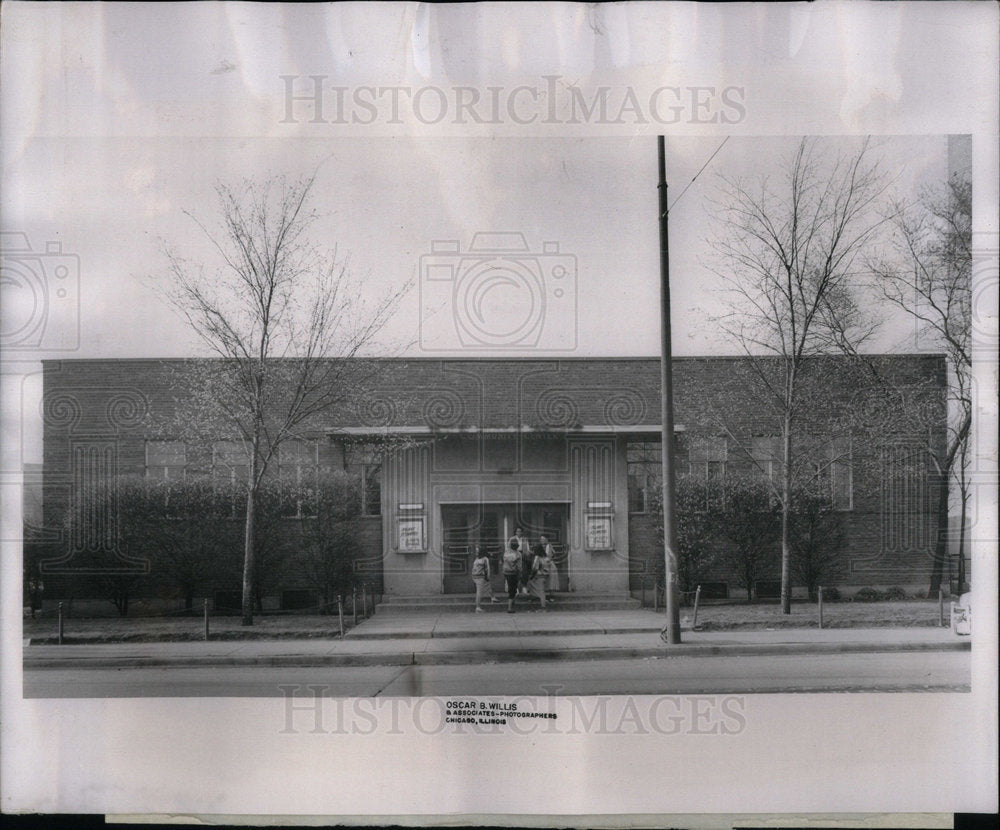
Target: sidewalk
(458,639)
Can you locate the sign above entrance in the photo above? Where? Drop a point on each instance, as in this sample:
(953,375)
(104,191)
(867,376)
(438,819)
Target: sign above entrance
(412,506)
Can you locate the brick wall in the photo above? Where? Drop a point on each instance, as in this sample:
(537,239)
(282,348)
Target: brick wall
(99,413)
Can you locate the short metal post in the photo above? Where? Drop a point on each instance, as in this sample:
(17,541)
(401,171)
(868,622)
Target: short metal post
(820,606)
(340,613)
(206,619)
(60,641)
(941,606)
(656,597)
(354,603)
(697,596)
(364,600)
(643,601)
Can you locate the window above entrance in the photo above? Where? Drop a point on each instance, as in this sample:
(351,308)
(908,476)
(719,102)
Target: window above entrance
(366,463)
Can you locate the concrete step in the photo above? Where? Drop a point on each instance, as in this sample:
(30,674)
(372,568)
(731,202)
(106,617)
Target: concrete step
(458,603)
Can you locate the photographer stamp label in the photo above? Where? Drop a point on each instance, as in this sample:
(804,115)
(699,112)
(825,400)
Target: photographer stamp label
(487,712)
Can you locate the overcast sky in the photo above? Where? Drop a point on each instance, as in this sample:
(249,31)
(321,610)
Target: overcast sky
(383,201)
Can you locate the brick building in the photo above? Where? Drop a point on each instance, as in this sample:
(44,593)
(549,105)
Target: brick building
(568,448)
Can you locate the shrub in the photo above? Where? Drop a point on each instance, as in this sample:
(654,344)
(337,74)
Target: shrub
(895,593)
(867,594)
(920,595)
(831,595)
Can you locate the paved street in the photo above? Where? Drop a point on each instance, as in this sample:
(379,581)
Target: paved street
(863,672)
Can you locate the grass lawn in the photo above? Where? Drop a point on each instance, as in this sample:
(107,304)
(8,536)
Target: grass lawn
(731,616)
(178,629)
(760,616)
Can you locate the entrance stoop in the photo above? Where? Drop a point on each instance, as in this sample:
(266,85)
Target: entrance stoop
(464,603)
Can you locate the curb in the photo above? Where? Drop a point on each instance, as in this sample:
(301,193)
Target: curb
(534,632)
(479,656)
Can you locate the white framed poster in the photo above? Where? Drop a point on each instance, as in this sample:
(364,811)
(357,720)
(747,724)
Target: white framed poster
(410,535)
(598,533)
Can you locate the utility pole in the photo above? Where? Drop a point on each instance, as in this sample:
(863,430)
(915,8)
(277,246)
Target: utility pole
(671,632)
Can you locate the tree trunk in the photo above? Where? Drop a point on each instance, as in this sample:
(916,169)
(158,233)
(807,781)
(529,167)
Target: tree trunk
(786,507)
(249,544)
(248,559)
(961,541)
(941,540)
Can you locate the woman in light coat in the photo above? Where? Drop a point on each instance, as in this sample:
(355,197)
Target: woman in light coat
(553,582)
(481,577)
(539,576)
(511,572)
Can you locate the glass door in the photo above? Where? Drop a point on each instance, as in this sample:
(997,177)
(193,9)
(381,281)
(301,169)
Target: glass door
(468,525)
(458,523)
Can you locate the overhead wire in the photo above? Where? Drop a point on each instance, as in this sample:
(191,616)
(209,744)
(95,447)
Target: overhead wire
(696,175)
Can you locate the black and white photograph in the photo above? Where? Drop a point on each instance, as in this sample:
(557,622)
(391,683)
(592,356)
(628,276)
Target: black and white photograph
(597,398)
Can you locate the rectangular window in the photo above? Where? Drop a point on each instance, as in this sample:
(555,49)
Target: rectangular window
(366,463)
(298,472)
(229,478)
(707,459)
(831,465)
(842,474)
(765,450)
(165,460)
(645,471)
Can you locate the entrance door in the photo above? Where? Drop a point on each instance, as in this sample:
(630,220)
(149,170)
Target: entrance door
(555,524)
(459,525)
(467,525)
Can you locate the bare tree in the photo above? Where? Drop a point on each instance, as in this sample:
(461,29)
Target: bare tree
(928,274)
(790,252)
(284,321)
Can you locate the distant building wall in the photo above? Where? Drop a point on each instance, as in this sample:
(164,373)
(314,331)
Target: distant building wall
(519,432)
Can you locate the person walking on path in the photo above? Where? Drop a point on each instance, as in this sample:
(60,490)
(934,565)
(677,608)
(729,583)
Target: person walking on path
(549,554)
(525,551)
(538,580)
(481,576)
(511,572)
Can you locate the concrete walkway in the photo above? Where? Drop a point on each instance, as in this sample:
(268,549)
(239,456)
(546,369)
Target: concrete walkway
(458,638)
